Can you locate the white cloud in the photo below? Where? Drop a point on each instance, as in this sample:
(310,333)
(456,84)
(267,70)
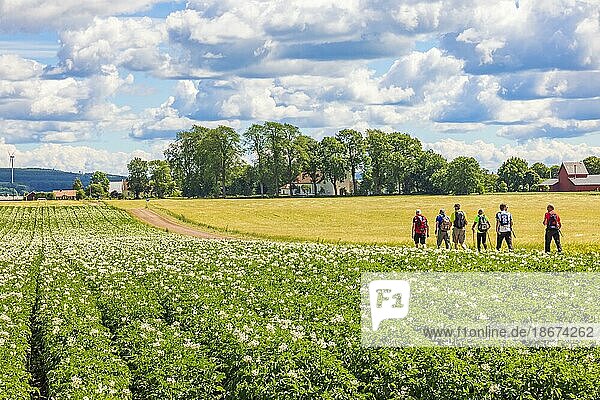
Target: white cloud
(550,128)
(527,68)
(26,131)
(254,99)
(78,158)
(16,68)
(496,36)
(126,42)
(40,15)
(491,155)
(163,121)
(30,106)
(427,74)
(539,84)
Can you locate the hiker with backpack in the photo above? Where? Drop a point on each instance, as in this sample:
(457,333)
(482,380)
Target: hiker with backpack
(483,225)
(553,225)
(442,227)
(459,224)
(420,229)
(504,227)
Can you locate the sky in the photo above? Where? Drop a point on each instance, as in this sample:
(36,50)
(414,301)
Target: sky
(90,85)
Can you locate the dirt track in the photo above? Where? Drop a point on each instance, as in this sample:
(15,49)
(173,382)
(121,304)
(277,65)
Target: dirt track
(154,219)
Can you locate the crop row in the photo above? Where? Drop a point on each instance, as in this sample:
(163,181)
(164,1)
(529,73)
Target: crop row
(180,318)
(18,268)
(283,319)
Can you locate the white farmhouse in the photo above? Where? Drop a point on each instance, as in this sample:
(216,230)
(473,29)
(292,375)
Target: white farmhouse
(117,186)
(303,186)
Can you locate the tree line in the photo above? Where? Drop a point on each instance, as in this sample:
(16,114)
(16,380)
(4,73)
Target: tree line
(211,162)
(98,187)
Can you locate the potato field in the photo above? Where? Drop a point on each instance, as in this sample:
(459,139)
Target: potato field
(96,305)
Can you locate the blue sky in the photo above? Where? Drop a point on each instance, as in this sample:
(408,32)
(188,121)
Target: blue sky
(87,86)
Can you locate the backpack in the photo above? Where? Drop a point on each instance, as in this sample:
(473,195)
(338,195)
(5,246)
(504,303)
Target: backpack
(483,224)
(446,224)
(420,224)
(459,220)
(552,221)
(504,218)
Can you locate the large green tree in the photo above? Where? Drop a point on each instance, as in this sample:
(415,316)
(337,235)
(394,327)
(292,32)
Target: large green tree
(189,163)
(99,184)
(78,187)
(161,182)
(403,160)
(464,176)
(428,173)
(542,170)
(96,190)
(255,139)
(531,180)
(311,163)
(333,160)
(292,154)
(137,181)
(490,181)
(203,160)
(225,151)
(268,142)
(592,164)
(512,172)
(355,149)
(379,150)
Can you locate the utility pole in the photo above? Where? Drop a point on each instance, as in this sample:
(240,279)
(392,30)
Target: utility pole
(12,167)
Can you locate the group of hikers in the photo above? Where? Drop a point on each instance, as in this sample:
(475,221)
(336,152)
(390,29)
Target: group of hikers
(457,223)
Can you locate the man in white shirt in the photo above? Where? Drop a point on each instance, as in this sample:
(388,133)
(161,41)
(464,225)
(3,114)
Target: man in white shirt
(504,226)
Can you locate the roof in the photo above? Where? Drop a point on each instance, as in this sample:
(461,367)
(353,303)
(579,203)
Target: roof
(575,167)
(549,182)
(589,180)
(68,192)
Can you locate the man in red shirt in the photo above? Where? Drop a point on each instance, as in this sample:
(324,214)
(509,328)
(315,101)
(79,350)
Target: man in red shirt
(553,225)
(420,229)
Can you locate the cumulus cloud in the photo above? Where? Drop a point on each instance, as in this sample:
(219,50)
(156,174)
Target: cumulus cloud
(123,42)
(542,84)
(68,109)
(549,128)
(527,69)
(492,155)
(16,68)
(550,34)
(160,122)
(40,15)
(25,131)
(76,158)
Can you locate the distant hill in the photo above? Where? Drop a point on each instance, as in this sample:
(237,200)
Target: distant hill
(44,180)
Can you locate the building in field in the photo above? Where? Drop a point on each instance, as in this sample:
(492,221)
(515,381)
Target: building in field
(573,177)
(65,194)
(303,186)
(117,186)
(30,196)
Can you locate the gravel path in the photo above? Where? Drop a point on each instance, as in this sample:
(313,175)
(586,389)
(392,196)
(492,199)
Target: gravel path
(159,221)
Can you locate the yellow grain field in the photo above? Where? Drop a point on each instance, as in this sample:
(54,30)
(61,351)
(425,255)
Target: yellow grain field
(382,220)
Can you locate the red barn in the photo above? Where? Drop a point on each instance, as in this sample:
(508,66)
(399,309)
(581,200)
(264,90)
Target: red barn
(573,177)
